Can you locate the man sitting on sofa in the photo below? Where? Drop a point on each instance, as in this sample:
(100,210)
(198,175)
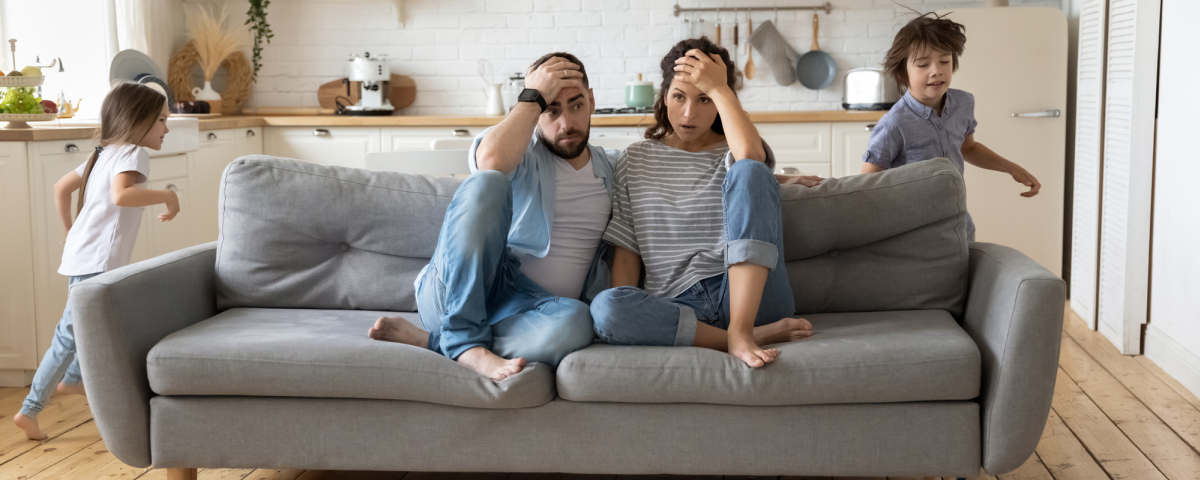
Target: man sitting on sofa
(520,249)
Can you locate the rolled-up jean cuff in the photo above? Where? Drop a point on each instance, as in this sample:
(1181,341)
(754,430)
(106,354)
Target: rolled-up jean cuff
(755,252)
(69,379)
(685,335)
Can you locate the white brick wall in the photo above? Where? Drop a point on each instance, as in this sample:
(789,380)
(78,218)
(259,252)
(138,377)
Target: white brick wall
(441,42)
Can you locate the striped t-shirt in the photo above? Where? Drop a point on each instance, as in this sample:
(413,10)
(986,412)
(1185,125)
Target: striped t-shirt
(667,208)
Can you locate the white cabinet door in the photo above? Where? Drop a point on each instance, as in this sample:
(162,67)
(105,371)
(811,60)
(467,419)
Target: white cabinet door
(218,148)
(618,138)
(249,141)
(407,139)
(849,146)
(800,148)
(167,237)
(49,161)
(18,336)
(338,146)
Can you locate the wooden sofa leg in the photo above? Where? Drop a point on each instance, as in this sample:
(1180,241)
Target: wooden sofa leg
(181,474)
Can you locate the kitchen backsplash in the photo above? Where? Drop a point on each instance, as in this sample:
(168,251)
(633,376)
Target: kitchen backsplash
(441,42)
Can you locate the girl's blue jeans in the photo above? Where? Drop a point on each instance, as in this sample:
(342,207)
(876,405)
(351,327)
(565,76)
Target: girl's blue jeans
(59,363)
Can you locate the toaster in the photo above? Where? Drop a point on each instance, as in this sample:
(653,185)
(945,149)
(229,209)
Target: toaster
(869,89)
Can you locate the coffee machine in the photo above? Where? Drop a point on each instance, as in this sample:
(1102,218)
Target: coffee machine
(372,74)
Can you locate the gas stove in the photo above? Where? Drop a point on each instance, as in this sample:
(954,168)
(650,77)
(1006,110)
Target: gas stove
(625,111)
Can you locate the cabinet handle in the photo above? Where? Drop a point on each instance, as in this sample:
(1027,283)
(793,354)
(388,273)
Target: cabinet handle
(212,136)
(320,132)
(870,127)
(791,171)
(172,187)
(249,133)
(71,148)
(462,132)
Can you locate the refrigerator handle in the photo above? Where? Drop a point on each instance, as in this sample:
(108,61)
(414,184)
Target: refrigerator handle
(1044,113)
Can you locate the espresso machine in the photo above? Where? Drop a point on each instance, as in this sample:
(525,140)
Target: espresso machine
(372,74)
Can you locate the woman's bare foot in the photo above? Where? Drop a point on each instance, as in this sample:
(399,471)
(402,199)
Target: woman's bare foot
(783,331)
(399,330)
(29,425)
(489,364)
(748,351)
(76,389)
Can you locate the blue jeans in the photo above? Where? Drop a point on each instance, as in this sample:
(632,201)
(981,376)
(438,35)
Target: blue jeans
(753,235)
(59,361)
(473,293)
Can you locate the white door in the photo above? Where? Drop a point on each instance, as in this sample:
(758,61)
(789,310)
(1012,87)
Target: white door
(800,148)
(17,333)
(249,141)
(167,237)
(849,145)
(1089,137)
(337,146)
(217,151)
(1016,62)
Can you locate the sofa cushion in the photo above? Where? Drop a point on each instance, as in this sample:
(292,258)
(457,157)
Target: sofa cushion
(898,234)
(876,357)
(324,353)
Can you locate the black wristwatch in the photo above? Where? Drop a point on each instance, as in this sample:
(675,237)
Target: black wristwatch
(533,96)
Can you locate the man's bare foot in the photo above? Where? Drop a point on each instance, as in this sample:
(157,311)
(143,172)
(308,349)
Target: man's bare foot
(783,331)
(489,364)
(399,330)
(76,389)
(749,352)
(29,425)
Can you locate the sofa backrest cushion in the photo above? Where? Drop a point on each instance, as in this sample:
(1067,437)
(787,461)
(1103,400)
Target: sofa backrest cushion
(300,235)
(887,241)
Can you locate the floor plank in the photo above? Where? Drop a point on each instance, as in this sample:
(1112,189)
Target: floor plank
(224,473)
(268,474)
(1169,381)
(1174,411)
(78,465)
(1107,444)
(116,470)
(55,419)
(1063,455)
(1155,439)
(51,452)
(1032,469)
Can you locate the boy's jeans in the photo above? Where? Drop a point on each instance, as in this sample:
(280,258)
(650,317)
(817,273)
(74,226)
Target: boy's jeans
(58,363)
(473,293)
(754,235)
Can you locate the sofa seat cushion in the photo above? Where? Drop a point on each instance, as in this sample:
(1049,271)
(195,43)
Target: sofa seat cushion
(876,357)
(325,353)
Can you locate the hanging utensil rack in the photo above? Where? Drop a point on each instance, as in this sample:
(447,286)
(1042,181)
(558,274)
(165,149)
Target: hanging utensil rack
(827,7)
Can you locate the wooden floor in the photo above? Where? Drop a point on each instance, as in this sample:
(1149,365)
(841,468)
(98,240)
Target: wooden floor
(1114,417)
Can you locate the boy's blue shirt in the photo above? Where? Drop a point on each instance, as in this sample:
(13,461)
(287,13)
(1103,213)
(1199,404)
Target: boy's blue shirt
(912,132)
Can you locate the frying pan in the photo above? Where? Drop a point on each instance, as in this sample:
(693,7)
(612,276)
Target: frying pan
(816,69)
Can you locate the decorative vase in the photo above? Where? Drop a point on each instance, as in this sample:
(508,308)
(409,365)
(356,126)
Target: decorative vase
(208,95)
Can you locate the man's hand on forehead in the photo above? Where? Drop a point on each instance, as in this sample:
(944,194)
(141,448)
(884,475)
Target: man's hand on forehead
(554,76)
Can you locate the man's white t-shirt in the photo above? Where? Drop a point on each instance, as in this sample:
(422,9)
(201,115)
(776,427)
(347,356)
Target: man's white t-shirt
(101,239)
(581,212)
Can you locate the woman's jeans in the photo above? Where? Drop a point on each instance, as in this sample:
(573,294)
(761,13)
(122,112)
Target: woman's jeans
(473,293)
(753,235)
(58,363)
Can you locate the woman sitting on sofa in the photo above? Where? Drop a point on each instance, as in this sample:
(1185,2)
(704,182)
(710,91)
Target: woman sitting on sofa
(697,204)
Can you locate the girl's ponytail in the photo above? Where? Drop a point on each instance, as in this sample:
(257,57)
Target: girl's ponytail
(128,112)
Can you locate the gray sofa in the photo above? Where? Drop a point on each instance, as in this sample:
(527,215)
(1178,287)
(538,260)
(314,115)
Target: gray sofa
(932,357)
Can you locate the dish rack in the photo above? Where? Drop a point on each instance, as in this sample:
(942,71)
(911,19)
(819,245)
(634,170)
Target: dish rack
(19,120)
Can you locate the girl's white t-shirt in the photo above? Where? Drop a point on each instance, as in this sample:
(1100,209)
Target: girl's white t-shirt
(101,239)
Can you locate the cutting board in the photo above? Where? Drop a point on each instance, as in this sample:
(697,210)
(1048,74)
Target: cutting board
(404,92)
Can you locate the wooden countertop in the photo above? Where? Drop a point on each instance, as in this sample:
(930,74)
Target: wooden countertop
(313,118)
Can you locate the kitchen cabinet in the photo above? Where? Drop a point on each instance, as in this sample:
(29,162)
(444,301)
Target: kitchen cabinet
(17,334)
(800,148)
(849,144)
(337,146)
(218,148)
(156,238)
(404,139)
(249,141)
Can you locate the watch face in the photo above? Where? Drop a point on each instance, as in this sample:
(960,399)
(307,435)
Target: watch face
(528,95)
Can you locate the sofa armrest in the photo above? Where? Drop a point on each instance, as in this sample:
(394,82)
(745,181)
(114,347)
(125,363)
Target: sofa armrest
(1014,313)
(119,316)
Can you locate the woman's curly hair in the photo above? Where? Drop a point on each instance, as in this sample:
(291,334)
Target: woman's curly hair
(662,124)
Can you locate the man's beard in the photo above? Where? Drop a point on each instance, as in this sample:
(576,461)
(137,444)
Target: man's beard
(559,151)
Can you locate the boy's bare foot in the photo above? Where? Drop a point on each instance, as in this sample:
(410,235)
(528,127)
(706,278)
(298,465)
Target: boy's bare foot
(749,352)
(489,364)
(29,425)
(783,331)
(399,330)
(76,389)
